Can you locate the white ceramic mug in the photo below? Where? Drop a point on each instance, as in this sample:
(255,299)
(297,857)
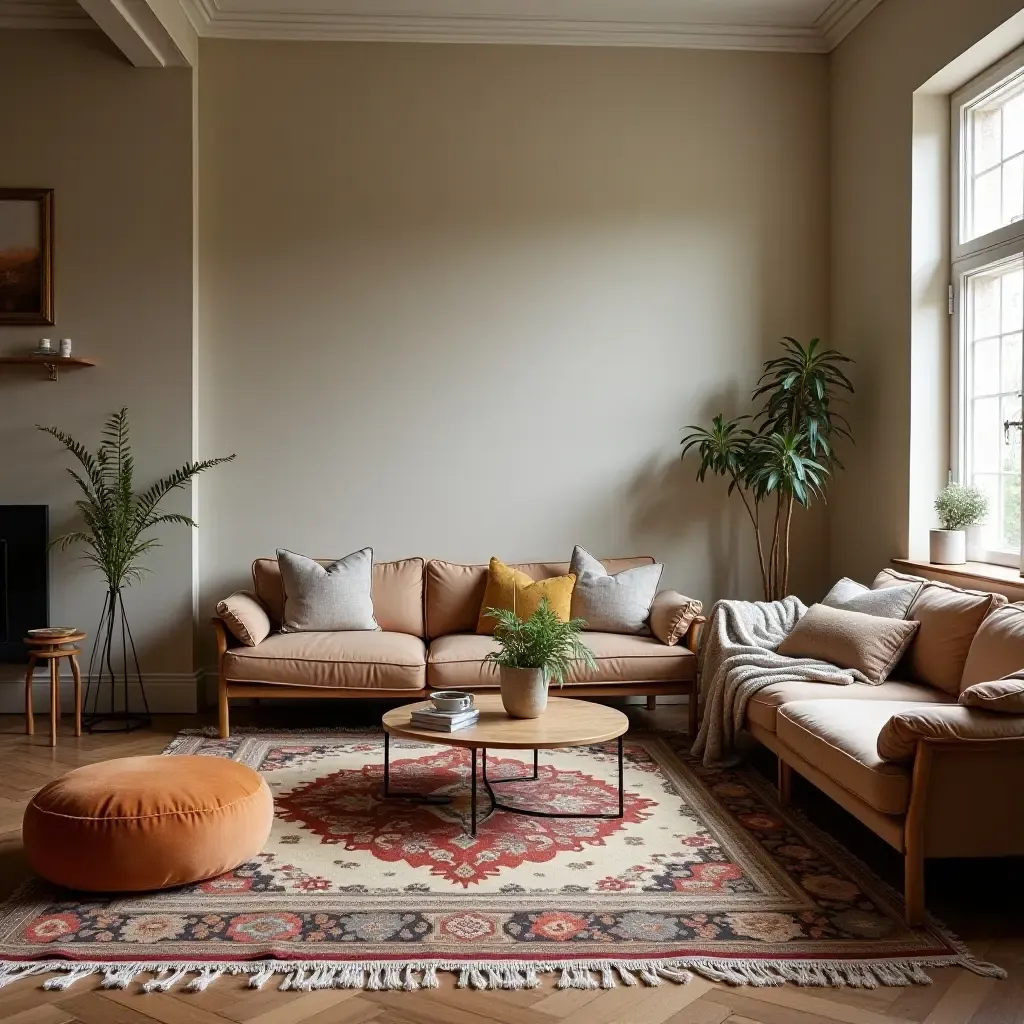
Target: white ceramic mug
(452,700)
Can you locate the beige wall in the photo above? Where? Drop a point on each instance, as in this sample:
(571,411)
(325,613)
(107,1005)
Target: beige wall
(115,144)
(458,301)
(876,313)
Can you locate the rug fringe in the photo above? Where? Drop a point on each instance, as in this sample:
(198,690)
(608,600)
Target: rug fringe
(509,975)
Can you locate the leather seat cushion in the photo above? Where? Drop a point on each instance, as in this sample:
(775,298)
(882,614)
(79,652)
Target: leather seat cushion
(840,738)
(357,660)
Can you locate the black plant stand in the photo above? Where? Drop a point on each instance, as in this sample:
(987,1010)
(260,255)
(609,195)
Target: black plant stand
(101,667)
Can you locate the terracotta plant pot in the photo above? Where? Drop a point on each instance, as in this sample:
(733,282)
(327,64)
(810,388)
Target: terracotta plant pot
(524,692)
(947,547)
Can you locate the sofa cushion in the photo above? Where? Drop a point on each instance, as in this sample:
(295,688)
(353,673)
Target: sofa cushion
(763,706)
(864,643)
(840,738)
(886,602)
(247,619)
(509,590)
(359,660)
(1003,695)
(949,619)
(396,591)
(898,740)
(997,649)
(613,602)
(456,661)
(672,614)
(455,592)
(326,598)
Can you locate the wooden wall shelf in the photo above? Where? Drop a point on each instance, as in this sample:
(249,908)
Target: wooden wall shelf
(52,363)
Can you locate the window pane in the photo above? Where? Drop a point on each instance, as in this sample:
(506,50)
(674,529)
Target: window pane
(1013,127)
(987,436)
(1013,190)
(986,291)
(986,367)
(988,202)
(1012,356)
(988,139)
(991,531)
(1011,513)
(1012,310)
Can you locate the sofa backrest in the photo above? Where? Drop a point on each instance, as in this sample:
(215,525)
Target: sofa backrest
(950,618)
(397,592)
(997,648)
(454,592)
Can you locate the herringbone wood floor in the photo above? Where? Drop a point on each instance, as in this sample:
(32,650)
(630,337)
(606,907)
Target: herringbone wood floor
(982,901)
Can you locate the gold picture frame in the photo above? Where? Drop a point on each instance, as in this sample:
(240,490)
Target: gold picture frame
(26,256)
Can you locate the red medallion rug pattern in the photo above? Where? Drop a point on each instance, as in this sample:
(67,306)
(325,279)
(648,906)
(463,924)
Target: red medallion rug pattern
(704,873)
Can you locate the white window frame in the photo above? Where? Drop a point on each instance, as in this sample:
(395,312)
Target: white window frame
(987,250)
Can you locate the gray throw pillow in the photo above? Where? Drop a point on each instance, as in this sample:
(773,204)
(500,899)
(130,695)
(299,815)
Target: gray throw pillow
(613,604)
(891,603)
(318,599)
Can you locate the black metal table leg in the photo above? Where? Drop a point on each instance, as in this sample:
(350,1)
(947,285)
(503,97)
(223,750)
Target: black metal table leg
(472,798)
(622,794)
(387,763)
(397,794)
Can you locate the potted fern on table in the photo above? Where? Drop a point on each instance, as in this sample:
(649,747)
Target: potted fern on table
(533,654)
(115,521)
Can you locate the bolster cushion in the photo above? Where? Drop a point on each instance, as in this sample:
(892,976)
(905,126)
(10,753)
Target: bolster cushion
(246,617)
(946,723)
(671,616)
(1004,695)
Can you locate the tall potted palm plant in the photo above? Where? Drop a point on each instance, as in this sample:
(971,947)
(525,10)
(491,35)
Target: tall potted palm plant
(115,530)
(784,454)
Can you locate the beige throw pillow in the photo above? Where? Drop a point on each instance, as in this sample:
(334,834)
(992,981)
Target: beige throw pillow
(1005,695)
(887,602)
(247,619)
(868,644)
(949,619)
(672,615)
(997,650)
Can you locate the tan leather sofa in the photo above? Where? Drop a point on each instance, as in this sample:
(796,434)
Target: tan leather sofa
(933,778)
(427,611)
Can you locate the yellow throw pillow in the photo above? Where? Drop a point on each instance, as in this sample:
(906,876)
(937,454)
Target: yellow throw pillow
(510,589)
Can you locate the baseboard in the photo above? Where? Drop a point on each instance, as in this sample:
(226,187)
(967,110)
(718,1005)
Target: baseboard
(166,693)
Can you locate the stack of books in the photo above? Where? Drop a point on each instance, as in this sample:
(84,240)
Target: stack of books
(444,721)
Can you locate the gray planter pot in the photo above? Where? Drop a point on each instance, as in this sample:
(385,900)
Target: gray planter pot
(524,692)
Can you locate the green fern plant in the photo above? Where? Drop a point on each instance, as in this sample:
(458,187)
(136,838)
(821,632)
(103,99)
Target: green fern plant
(543,641)
(114,516)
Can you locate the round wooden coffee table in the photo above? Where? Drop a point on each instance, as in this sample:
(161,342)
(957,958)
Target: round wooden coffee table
(565,723)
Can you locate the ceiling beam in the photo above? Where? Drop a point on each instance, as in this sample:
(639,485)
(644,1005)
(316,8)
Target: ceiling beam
(150,33)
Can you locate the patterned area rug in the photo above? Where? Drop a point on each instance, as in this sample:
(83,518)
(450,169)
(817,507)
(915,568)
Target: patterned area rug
(704,873)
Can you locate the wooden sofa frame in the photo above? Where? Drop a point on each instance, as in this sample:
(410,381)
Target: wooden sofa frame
(946,773)
(227,689)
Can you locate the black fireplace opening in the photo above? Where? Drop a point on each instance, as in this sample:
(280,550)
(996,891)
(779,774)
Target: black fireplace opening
(24,577)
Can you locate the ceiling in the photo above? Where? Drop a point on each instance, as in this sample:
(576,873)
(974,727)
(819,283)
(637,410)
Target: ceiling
(813,26)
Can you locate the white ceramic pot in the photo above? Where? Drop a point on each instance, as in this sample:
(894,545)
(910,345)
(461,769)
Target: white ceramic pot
(524,691)
(947,547)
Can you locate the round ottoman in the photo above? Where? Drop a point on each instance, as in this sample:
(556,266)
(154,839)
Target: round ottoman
(141,823)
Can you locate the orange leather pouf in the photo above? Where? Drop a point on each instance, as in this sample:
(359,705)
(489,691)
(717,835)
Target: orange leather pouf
(141,823)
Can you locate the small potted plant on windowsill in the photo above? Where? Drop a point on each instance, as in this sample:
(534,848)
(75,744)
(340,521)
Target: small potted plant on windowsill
(534,654)
(959,508)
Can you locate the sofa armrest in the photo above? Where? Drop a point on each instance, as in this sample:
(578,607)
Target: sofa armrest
(245,617)
(695,634)
(944,723)
(672,614)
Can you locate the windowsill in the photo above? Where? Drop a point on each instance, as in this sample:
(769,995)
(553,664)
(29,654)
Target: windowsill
(985,575)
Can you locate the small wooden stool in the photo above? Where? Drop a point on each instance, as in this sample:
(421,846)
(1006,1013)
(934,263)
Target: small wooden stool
(51,649)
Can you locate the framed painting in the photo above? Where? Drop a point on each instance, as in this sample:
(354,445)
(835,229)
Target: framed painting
(26,256)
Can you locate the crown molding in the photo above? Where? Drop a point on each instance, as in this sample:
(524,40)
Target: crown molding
(43,14)
(211,21)
(841,18)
